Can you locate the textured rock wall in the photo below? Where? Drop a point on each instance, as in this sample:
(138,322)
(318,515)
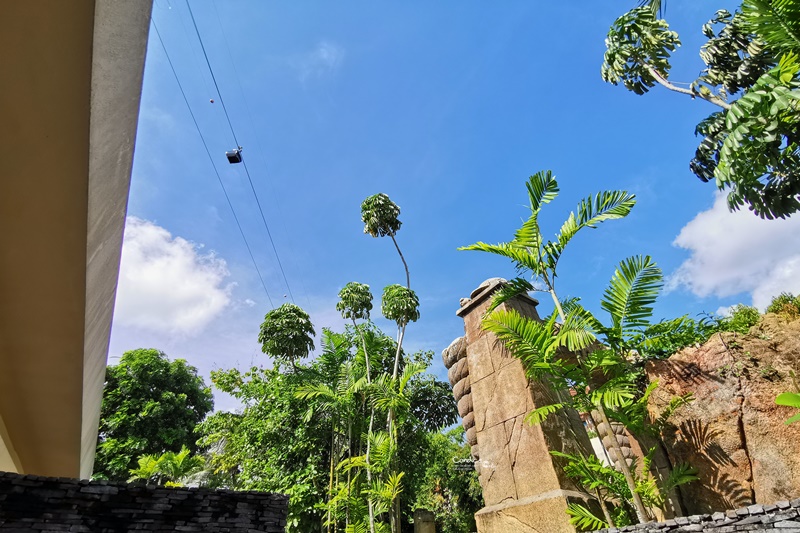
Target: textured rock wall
(33,503)
(781,517)
(733,432)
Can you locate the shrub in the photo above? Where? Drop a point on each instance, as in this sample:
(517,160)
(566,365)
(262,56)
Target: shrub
(785,304)
(742,318)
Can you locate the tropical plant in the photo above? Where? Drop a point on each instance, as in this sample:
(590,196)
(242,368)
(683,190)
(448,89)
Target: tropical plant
(533,255)
(287,334)
(379,215)
(170,468)
(750,147)
(786,304)
(355,301)
(151,405)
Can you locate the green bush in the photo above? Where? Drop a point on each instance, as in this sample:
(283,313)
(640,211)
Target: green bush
(785,304)
(742,318)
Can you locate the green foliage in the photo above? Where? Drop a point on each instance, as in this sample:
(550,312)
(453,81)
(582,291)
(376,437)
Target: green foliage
(786,304)
(171,468)
(287,334)
(750,148)
(355,301)
(742,318)
(305,433)
(453,496)
(638,48)
(529,251)
(777,22)
(150,406)
(583,518)
(400,304)
(667,337)
(379,215)
(791,399)
(760,155)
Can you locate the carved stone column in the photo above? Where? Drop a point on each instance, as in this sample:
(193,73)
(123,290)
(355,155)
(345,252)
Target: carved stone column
(524,487)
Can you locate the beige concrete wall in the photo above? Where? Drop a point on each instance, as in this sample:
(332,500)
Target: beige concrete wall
(70,98)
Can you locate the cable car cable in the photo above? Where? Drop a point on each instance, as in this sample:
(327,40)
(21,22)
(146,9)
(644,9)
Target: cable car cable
(211,159)
(255,135)
(244,164)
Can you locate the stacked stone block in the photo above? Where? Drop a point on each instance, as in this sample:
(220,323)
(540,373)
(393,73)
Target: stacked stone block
(40,504)
(455,360)
(781,517)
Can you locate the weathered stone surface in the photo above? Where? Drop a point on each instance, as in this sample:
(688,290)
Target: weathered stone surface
(733,432)
(537,514)
(40,504)
(521,481)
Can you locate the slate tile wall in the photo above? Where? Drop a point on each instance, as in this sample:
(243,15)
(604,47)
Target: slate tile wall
(781,517)
(41,504)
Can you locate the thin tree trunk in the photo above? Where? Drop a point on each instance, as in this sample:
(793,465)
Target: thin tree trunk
(604,507)
(641,512)
(369,474)
(369,432)
(408,276)
(330,484)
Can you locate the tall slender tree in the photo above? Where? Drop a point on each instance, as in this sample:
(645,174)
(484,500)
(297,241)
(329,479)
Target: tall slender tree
(287,334)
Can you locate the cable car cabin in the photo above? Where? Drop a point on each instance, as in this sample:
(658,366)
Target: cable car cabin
(234,156)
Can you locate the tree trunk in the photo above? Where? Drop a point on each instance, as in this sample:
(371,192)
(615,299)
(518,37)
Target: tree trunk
(641,512)
(405,265)
(604,507)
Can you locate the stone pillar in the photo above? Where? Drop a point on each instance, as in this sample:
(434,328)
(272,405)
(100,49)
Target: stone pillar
(524,487)
(424,521)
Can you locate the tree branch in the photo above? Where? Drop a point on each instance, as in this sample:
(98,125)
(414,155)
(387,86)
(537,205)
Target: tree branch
(716,100)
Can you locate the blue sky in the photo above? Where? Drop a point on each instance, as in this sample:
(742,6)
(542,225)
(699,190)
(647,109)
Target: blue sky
(446,107)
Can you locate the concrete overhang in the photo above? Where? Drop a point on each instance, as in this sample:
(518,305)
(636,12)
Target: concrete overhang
(72,78)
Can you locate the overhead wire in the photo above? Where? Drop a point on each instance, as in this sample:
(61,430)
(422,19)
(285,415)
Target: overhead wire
(211,159)
(255,132)
(244,164)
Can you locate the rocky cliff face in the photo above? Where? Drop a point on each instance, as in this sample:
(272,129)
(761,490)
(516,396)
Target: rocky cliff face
(733,432)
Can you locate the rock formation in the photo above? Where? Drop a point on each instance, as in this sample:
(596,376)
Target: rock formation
(733,432)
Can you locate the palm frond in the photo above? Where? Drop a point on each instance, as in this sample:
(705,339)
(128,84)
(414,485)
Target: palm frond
(680,475)
(606,205)
(615,393)
(542,189)
(508,291)
(530,340)
(579,330)
(521,257)
(630,294)
(529,235)
(776,22)
(537,416)
(583,518)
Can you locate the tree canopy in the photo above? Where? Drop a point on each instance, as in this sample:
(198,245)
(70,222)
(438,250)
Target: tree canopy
(151,405)
(750,147)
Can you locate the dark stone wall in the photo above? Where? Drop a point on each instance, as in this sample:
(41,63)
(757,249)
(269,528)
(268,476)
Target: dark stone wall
(781,517)
(33,503)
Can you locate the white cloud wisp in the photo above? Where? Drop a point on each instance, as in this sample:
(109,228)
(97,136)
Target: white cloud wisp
(738,252)
(166,284)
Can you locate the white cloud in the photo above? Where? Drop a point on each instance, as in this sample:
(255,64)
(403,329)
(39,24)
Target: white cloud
(166,284)
(326,58)
(738,252)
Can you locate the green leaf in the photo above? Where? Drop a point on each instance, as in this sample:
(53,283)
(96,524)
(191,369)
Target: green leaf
(790,399)
(537,416)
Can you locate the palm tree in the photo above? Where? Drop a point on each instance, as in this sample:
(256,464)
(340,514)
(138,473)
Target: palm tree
(169,467)
(603,379)
(287,334)
(379,215)
(355,302)
(337,399)
(529,251)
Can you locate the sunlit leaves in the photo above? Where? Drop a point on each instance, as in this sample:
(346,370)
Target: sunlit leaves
(638,48)
(379,215)
(355,301)
(400,304)
(287,333)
